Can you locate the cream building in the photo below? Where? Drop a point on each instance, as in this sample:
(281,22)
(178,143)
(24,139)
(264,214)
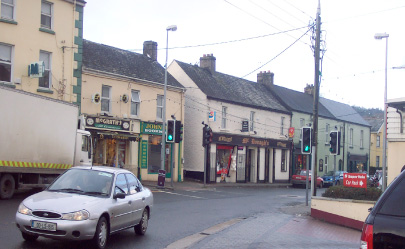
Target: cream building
(122,102)
(395,138)
(42,33)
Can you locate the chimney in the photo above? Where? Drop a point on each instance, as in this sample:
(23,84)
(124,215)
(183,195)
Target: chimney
(266,78)
(208,61)
(150,49)
(309,89)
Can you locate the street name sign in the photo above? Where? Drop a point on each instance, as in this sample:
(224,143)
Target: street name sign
(355,180)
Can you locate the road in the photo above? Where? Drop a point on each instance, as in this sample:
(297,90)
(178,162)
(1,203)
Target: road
(177,214)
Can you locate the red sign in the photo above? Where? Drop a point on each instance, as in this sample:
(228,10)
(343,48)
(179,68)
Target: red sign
(355,180)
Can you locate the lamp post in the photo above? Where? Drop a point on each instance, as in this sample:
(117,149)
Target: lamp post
(163,150)
(380,36)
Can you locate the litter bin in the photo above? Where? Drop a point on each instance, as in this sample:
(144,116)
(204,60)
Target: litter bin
(161,178)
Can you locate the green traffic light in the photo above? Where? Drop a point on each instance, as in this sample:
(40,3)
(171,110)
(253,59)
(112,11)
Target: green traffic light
(306,148)
(170,137)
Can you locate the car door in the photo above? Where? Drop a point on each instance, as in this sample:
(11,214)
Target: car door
(121,210)
(137,198)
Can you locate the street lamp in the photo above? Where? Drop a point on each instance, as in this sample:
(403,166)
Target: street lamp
(380,36)
(163,150)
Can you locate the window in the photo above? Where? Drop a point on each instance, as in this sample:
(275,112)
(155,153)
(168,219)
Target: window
(106,99)
(223,122)
(135,102)
(377,161)
(378,141)
(361,139)
(85,143)
(327,134)
(283,161)
(121,183)
(133,184)
(46,80)
(351,138)
(282,126)
(46,15)
(252,118)
(159,108)
(302,123)
(394,204)
(7,9)
(5,62)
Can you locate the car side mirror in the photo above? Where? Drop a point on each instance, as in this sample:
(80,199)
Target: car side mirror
(119,196)
(138,189)
(369,210)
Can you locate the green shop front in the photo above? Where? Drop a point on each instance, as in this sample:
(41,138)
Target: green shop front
(150,146)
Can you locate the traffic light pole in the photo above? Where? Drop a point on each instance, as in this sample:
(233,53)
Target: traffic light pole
(205,164)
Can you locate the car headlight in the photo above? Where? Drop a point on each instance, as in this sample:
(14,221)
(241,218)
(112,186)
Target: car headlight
(22,209)
(79,215)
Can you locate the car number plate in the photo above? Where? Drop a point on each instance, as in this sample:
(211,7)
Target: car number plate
(299,178)
(43,225)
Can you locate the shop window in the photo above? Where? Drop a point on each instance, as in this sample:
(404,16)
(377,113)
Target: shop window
(46,80)
(154,152)
(7,9)
(224,159)
(46,15)
(283,161)
(5,62)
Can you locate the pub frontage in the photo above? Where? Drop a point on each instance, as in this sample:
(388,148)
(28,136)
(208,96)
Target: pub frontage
(244,159)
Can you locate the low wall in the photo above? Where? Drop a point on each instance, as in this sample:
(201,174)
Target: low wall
(349,213)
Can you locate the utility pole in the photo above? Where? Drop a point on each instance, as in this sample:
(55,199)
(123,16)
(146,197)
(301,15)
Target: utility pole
(316,99)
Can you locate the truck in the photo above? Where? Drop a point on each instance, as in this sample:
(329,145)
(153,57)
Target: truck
(40,138)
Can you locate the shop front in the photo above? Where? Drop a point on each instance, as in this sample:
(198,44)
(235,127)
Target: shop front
(357,163)
(236,158)
(150,153)
(113,140)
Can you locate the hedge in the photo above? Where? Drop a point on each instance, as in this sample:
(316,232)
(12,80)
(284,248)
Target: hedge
(342,192)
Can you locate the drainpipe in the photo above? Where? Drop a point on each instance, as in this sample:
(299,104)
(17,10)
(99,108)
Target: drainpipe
(401,122)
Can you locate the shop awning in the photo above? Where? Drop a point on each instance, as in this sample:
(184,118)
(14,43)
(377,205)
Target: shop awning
(118,135)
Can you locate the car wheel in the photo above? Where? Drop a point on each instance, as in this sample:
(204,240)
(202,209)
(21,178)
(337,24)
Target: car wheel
(101,236)
(7,186)
(29,237)
(140,229)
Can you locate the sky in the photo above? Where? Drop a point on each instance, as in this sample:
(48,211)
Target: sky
(249,36)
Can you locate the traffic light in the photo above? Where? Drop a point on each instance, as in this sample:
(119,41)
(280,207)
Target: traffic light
(170,131)
(207,135)
(179,132)
(334,143)
(306,145)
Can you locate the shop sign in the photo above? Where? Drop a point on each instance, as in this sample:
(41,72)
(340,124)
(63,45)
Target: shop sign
(355,180)
(151,128)
(107,123)
(245,126)
(249,141)
(134,138)
(212,116)
(291,132)
(144,154)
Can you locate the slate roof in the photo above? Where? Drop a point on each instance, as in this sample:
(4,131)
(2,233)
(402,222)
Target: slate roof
(300,101)
(232,89)
(121,62)
(375,123)
(343,112)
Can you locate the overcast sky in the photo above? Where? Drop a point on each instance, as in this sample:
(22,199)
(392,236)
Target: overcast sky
(249,36)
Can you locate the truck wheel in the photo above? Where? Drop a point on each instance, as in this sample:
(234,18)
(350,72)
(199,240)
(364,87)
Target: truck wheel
(7,186)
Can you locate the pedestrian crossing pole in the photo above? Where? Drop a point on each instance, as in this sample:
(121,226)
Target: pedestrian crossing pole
(316,100)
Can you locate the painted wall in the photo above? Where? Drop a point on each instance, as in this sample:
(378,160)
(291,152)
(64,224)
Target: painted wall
(374,149)
(27,38)
(396,144)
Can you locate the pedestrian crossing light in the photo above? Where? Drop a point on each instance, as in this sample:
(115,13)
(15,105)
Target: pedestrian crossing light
(306,140)
(170,132)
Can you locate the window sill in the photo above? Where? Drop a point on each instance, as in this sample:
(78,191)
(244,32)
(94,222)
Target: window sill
(8,21)
(47,31)
(11,85)
(41,90)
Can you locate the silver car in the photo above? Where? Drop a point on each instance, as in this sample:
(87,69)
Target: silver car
(87,203)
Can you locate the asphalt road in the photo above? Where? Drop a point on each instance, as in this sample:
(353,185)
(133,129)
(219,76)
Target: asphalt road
(177,214)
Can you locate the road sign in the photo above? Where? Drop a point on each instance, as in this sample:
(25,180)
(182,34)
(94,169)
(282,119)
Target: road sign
(355,180)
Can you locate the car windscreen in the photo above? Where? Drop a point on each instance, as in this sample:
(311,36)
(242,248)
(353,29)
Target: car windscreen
(330,173)
(84,181)
(395,203)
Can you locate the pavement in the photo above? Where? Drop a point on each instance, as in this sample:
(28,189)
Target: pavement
(288,227)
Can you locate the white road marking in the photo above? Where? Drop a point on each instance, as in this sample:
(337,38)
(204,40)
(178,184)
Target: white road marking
(192,196)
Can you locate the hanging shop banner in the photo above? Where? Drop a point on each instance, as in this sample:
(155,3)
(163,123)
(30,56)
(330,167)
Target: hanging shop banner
(151,128)
(291,132)
(249,141)
(144,154)
(212,116)
(107,123)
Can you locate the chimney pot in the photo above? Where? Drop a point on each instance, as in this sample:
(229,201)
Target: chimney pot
(150,49)
(266,78)
(208,61)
